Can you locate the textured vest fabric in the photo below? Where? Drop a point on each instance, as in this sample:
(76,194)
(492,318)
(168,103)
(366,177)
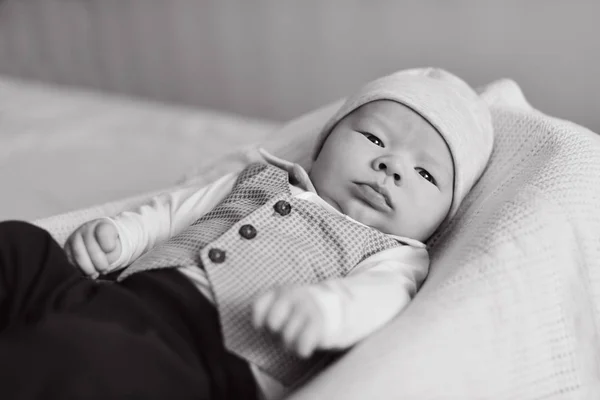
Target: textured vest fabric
(305,246)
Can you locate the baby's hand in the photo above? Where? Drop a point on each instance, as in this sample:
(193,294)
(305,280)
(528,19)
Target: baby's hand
(94,246)
(292,314)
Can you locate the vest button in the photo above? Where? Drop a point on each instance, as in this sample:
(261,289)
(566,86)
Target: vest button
(216,255)
(282,207)
(247,231)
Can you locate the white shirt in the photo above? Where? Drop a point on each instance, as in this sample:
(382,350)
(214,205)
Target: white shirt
(372,294)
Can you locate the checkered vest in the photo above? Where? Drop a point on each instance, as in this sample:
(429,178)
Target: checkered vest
(257,238)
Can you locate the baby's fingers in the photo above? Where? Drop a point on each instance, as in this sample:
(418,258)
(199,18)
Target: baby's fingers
(293,329)
(80,256)
(95,252)
(69,250)
(308,339)
(261,308)
(272,310)
(107,237)
(278,314)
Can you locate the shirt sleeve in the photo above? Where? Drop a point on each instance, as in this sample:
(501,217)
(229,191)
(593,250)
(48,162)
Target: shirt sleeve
(165,216)
(376,291)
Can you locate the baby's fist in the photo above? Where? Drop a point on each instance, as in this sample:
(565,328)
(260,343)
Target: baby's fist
(294,316)
(94,246)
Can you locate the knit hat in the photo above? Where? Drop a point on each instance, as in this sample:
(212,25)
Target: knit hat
(449,104)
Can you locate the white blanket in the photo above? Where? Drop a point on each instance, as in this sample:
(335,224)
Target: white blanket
(511,308)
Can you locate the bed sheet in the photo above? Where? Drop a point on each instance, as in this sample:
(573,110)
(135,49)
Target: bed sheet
(63,149)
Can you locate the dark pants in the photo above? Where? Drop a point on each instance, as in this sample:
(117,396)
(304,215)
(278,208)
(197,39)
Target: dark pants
(64,336)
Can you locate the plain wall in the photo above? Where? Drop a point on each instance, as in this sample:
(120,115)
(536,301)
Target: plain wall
(277,59)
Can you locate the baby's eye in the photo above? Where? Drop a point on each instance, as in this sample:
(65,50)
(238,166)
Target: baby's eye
(426,175)
(373,139)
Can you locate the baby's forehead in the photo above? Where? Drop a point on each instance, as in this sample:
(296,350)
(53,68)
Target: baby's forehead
(392,114)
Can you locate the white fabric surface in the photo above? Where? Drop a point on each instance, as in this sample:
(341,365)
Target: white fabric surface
(511,308)
(62,149)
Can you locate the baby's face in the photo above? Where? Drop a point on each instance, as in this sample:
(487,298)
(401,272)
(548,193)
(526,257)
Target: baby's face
(385,166)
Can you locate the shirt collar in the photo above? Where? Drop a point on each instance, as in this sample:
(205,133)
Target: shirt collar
(299,177)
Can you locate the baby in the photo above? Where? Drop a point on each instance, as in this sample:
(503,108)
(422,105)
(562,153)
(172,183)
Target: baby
(249,286)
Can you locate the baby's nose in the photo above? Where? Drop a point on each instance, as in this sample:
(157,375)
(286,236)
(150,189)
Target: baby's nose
(391,169)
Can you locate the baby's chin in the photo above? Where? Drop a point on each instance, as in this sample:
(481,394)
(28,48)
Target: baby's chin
(383,225)
(370,217)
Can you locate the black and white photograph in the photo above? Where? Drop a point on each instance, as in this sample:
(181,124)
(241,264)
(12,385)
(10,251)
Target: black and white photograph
(299,200)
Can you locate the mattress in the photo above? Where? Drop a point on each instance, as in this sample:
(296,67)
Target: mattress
(63,148)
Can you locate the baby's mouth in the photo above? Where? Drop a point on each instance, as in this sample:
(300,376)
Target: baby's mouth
(373,195)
